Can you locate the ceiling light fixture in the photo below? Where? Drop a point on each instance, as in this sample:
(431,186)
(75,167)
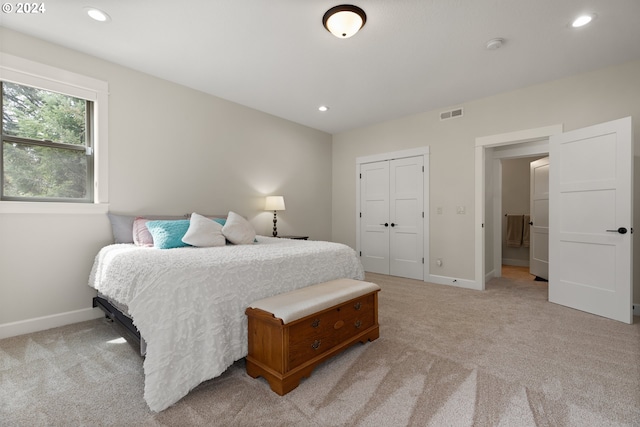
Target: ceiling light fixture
(97,14)
(581,21)
(323,108)
(344,21)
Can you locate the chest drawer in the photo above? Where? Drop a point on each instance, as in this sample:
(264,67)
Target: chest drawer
(316,334)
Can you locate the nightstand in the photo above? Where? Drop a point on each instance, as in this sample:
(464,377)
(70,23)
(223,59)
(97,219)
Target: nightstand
(295,237)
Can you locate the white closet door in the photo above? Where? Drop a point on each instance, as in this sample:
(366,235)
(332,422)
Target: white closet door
(374,205)
(406,217)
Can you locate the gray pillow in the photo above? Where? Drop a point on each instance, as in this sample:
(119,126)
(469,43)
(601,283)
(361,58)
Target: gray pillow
(122,227)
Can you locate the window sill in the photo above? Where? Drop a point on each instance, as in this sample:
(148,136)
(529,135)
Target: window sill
(52,208)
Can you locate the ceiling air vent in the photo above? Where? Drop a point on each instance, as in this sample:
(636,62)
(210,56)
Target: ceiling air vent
(452,114)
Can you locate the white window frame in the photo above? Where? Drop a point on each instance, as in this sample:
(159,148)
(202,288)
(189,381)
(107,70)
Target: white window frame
(29,73)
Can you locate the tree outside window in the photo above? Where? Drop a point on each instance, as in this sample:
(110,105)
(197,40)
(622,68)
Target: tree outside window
(46,145)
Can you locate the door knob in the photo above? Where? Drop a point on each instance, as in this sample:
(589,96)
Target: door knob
(530,222)
(393,224)
(620,230)
(386,224)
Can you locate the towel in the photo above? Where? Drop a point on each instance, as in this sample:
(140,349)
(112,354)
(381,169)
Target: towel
(526,228)
(514,230)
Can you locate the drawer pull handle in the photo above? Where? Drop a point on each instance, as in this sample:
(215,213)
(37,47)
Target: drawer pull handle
(357,324)
(339,324)
(315,323)
(316,344)
(357,306)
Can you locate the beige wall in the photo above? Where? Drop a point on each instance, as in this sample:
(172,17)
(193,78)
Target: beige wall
(576,102)
(172,150)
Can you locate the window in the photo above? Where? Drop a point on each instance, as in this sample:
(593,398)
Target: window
(53,139)
(46,145)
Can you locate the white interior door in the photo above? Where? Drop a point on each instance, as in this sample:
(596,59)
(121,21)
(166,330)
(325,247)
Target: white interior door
(406,217)
(374,222)
(539,225)
(590,229)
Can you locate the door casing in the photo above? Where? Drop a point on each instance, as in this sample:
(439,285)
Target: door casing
(489,151)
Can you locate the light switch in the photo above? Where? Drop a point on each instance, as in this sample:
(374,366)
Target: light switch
(439,211)
(461,210)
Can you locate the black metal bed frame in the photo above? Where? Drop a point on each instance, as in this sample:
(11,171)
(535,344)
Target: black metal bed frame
(117,316)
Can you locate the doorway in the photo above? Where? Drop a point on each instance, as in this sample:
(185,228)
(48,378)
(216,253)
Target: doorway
(490,151)
(590,191)
(521,202)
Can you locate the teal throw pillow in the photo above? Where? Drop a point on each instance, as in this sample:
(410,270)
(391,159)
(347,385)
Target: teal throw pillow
(168,234)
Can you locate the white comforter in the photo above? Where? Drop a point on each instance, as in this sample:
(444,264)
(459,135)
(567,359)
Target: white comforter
(189,303)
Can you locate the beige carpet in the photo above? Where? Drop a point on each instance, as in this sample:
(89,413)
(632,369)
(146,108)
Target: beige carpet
(446,357)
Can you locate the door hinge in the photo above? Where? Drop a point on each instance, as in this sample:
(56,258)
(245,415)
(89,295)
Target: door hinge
(423,260)
(422,214)
(360,214)
(423,169)
(360,253)
(360,176)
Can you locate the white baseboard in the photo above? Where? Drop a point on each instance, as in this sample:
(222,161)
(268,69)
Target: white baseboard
(490,275)
(47,322)
(452,281)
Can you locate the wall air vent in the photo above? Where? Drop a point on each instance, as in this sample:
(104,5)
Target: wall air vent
(451,114)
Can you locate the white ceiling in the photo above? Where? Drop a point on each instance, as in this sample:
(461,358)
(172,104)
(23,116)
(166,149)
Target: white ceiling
(411,56)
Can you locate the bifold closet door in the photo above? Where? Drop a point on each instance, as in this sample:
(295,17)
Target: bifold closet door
(392,223)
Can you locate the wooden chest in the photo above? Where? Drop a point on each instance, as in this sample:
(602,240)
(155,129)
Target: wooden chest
(284,353)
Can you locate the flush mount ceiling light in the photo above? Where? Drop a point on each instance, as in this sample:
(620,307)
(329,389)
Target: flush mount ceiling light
(97,14)
(344,21)
(323,108)
(582,20)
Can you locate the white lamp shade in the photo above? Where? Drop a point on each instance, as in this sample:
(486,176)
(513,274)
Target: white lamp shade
(274,203)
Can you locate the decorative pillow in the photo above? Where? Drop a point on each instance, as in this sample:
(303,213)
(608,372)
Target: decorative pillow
(238,230)
(141,235)
(168,234)
(203,232)
(121,227)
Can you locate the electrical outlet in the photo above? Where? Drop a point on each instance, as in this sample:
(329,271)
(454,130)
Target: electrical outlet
(439,210)
(439,262)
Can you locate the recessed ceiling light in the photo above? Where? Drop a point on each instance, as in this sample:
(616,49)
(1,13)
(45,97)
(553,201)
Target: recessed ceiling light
(581,21)
(97,14)
(323,108)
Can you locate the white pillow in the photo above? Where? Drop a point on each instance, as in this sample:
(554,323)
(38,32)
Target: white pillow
(203,232)
(238,230)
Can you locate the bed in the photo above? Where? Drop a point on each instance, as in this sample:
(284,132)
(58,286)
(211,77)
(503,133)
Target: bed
(188,303)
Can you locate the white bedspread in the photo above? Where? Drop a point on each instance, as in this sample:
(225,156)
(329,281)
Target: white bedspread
(189,303)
